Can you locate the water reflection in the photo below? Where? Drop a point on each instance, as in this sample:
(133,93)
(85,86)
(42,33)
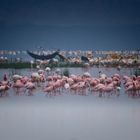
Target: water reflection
(94,71)
(69,117)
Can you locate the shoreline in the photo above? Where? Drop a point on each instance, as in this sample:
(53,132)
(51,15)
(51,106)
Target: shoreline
(22,65)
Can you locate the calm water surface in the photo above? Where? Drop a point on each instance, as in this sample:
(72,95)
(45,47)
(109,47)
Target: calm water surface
(69,117)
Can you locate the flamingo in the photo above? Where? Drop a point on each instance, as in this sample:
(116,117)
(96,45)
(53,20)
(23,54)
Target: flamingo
(49,90)
(3,89)
(30,87)
(18,85)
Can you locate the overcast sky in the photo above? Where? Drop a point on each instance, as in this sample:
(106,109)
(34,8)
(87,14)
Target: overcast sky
(70,24)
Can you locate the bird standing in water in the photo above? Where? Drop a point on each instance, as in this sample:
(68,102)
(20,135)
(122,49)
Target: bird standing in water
(5,77)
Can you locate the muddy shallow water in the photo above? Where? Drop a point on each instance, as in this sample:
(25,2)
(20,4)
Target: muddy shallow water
(70,117)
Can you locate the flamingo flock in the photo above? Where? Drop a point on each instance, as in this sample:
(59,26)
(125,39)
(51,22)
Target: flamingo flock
(57,84)
(132,85)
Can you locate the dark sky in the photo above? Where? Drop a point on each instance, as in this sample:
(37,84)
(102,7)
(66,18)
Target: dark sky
(70,24)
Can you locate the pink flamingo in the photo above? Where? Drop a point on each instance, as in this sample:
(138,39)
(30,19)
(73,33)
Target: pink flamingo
(3,89)
(82,87)
(18,85)
(49,90)
(30,87)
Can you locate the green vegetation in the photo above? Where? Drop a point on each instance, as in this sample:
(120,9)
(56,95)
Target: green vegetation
(17,65)
(21,65)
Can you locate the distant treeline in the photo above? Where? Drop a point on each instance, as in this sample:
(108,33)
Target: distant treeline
(22,65)
(18,65)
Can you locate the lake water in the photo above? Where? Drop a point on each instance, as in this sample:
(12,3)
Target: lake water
(69,117)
